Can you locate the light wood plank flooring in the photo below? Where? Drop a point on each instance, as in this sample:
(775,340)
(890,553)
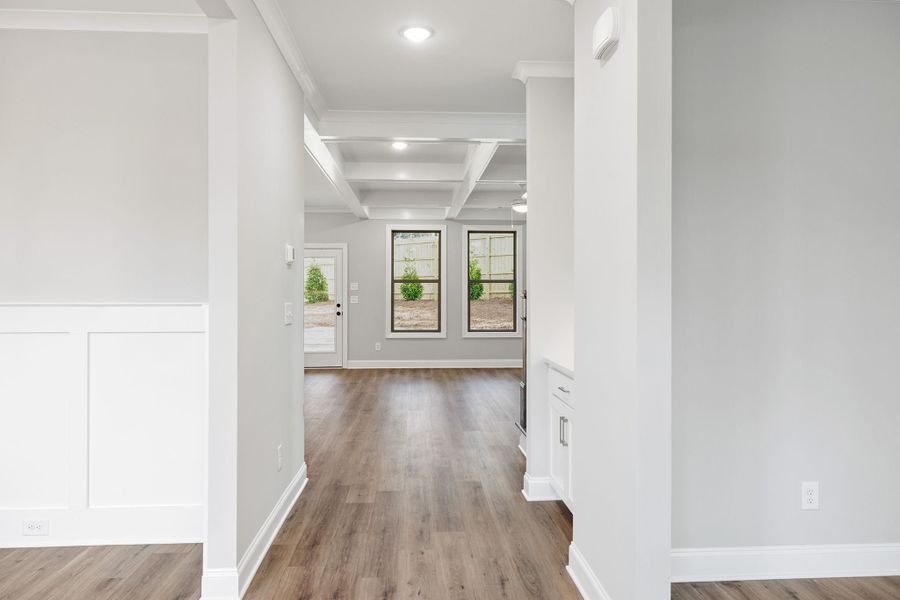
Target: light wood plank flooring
(101,573)
(867,588)
(415,492)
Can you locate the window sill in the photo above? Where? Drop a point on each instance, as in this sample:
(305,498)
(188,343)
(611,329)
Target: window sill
(415,335)
(491,334)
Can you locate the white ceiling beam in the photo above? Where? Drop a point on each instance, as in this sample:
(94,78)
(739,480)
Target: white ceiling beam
(319,152)
(408,214)
(478,162)
(359,172)
(422,127)
(406,199)
(526,69)
(215,9)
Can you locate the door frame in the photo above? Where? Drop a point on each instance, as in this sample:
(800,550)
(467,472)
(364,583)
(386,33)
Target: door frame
(345,308)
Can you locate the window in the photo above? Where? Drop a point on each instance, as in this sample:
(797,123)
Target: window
(416,281)
(492,288)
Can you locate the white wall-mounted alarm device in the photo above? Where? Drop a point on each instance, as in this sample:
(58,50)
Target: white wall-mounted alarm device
(607,30)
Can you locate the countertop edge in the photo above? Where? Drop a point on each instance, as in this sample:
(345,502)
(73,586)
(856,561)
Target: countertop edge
(559,367)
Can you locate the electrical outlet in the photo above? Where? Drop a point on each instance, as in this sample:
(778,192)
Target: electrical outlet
(354,286)
(279,453)
(809,495)
(377,346)
(288,313)
(354,299)
(38,527)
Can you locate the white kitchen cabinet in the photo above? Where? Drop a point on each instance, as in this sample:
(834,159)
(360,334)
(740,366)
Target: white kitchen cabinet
(561,390)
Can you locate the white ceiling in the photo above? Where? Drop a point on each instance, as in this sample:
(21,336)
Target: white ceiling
(453,99)
(360,61)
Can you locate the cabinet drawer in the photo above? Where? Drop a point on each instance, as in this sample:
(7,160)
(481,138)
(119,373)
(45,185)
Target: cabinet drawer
(562,387)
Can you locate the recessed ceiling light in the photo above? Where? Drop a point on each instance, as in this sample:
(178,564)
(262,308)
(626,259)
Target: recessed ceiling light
(399,145)
(520,206)
(417,34)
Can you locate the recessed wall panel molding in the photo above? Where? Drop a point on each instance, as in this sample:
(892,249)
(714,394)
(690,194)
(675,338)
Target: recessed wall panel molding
(102,423)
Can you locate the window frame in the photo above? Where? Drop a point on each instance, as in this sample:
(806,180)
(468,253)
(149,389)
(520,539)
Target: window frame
(518,262)
(441,230)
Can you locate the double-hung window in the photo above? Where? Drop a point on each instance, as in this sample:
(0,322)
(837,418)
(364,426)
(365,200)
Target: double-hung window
(492,259)
(416,281)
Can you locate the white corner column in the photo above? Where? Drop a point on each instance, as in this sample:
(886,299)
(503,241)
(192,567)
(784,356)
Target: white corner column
(220,560)
(550,105)
(623,148)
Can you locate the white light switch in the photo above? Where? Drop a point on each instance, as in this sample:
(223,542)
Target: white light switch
(354,299)
(290,254)
(354,286)
(288,313)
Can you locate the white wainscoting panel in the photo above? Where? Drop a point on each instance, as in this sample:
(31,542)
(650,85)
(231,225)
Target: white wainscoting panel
(145,416)
(102,423)
(34,419)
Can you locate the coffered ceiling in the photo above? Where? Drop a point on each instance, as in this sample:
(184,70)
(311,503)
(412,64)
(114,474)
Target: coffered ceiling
(451,98)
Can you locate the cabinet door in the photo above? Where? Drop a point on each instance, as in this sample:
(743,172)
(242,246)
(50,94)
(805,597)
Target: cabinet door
(559,448)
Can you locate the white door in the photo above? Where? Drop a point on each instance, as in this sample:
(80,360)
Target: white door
(323,307)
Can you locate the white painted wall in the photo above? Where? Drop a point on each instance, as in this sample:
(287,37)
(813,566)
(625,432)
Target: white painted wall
(550,106)
(622,290)
(102,200)
(366,248)
(787,272)
(102,167)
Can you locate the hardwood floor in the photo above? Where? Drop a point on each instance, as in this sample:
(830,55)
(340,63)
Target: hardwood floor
(101,573)
(867,588)
(415,492)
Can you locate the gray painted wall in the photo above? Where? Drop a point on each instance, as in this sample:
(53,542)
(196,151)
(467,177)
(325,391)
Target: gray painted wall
(270,214)
(786,271)
(102,167)
(366,248)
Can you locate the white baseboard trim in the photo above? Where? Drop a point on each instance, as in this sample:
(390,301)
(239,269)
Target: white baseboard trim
(583,576)
(488,363)
(538,489)
(219,584)
(255,553)
(785,562)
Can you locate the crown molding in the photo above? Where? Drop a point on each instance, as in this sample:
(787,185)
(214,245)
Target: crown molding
(526,69)
(283,35)
(350,125)
(83,20)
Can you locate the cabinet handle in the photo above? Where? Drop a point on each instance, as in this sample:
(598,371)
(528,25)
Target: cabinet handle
(564,390)
(562,425)
(565,434)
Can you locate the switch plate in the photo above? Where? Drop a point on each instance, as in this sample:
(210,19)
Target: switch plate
(290,254)
(36,527)
(288,313)
(279,453)
(354,299)
(354,286)
(809,495)
(377,346)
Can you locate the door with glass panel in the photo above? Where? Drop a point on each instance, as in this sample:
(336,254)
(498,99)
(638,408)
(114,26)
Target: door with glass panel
(323,307)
